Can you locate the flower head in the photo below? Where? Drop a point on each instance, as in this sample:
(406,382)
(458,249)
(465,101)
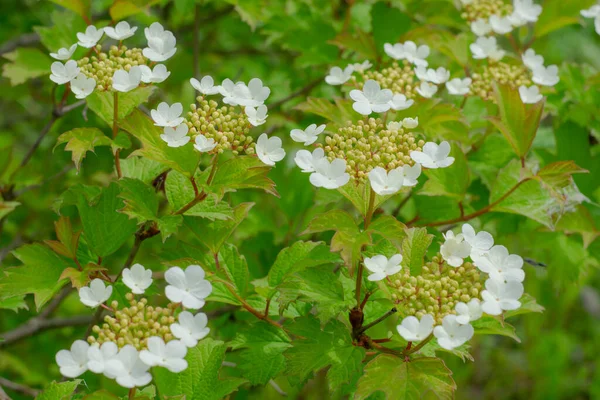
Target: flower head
(330,175)
(409,50)
(99,356)
(433,155)
(527,10)
(307,161)
(176,137)
(459,87)
(500,296)
(381,267)
(161,45)
(190,328)
(205,86)
(170,355)
(64,53)
(386,183)
(253,95)
(189,287)
(82,86)
(500,25)
(592,12)
(467,312)
(309,135)
(90,37)
(399,102)
(95,294)
(124,81)
(74,362)
(455,249)
(269,150)
(480,242)
(204,144)
(486,47)
(546,76)
(451,333)
(413,330)
(410,123)
(157,75)
(427,89)
(121,31)
(437,76)
(166,115)
(500,265)
(532,60)
(256,116)
(530,95)
(361,67)
(63,73)
(337,76)
(137,278)
(371,98)
(128,369)
(481,27)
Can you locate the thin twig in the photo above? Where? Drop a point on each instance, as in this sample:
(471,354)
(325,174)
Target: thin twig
(378,320)
(37,325)
(24,40)
(17,387)
(297,93)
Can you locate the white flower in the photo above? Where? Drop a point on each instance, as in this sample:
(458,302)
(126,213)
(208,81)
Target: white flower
(530,95)
(455,249)
(63,73)
(226,89)
(395,51)
(166,115)
(500,265)
(137,278)
(452,334)
(99,356)
(253,95)
(156,75)
(124,81)
(427,89)
(410,123)
(597,25)
(307,161)
(500,296)
(154,31)
(413,330)
(411,174)
(361,67)
(394,125)
(191,328)
(176,137)
(384,182)
(330,175)
(204,144)
(466,2)
(527,10)
(532,60)
(337,76)
(516,19)
(205,86)
(459,87)
(95,294)
(438,76)
(73,363)
(256,116)
(486,47)
(409,51)
(500,25)
(381,267)
(161,45)
(170,355)
(189,287)
(546,76)
(90,37)
(481,27)
(269,150)
(121,31)
(82,86)
(371,99)
(433,156)
(468,312)
(480,243)
(128,369)
(399,102)
(309,135)
(592,12)
(64,53)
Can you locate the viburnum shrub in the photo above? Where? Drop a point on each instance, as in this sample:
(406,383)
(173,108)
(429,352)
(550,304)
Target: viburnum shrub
(394,264)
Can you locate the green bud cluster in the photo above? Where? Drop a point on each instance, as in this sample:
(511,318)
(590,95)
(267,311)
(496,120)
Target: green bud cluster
(400,79)
(506,74)
(229,128)
(486,8)
(102,66)
(437,290)
(135,324)
(369,144)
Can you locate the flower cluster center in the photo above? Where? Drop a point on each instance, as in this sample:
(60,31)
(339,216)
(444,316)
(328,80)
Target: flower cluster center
(102,66)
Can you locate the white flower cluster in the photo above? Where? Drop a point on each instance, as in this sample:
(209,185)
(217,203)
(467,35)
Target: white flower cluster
(543,76)
(524,12)
(161,47)
(128,366)
(503,288)
(593,12)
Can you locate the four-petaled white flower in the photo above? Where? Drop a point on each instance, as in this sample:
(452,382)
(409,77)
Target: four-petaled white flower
(527,10)
(309,135)
(500,265)
(433,155)
(530,95)
(121,31)
(256,116)
(206,85)
(176,137)
(128,369)
(269,150)
(329,175)
(481,242)
(82,86)
(123,81)
(307,161)
(427,89)
(157,75)
(254,94)
(161,43)
(99,356)
(500,25)
(408,50)
(546,76)
(166,115)
(500,296)
(437,76)
(371,98)
(63,73)
(226,89)
(170,355)
(455,249)
(360,67)
(516,19)
(481,27)
(90,37)
(486,47)
(64,53)
(137,278)
(204,144)
(338,76)
(189,287)
(459,87)
(467,312)
(399,102)
(413,330)
(95,294)
(394,125)
(190,328)
(382,267)
(451,333)
(384,182)
(411,174)
(532,60)
(74,362)
(592,12)
(410,123)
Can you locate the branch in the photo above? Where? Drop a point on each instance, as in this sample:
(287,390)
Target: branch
(306,89)
(17,387)
(37,325)
(378,320)
(25,40)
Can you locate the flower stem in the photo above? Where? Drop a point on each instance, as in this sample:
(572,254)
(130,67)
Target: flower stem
(131,393)
(115,129)
(368,217)
(378,320)
(418,347)
(202,195)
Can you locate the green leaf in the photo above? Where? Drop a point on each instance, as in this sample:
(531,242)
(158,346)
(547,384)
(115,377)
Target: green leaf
(6,207)
(235,267)
(121,9)
(144,169)
(102,103)
(360,42)
(528,305)
(140,200)
(81,140)
(388,24)
(389,228)
(25,64)
(414,249)
(488,325)
(340,112)
(400,380)
(452,181)
(241,172)
(558,14)
(13,303)
(101,395)
(62,33)
(200,381)
(262,347)
(56,391)
(559,174)
(81,7)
